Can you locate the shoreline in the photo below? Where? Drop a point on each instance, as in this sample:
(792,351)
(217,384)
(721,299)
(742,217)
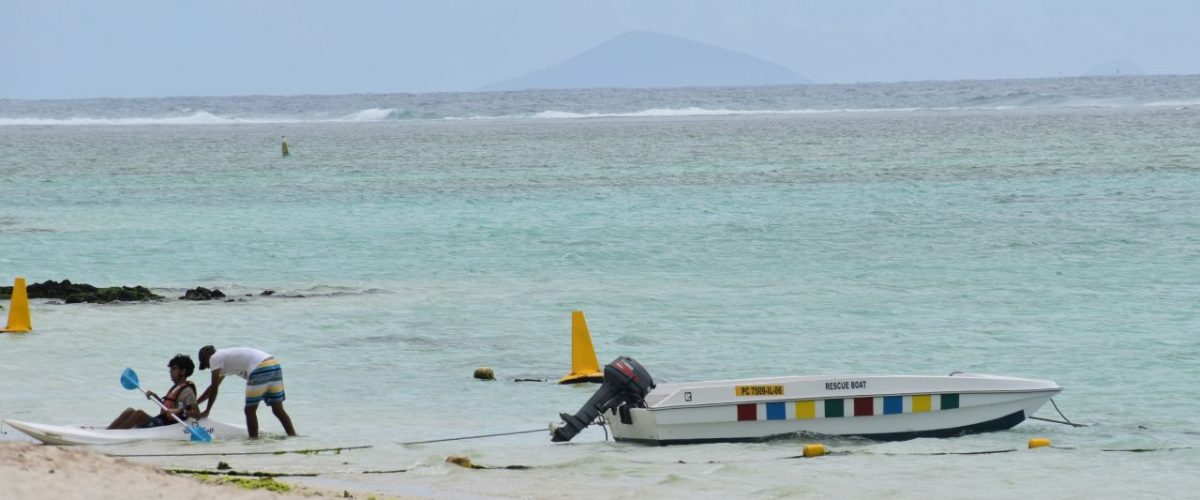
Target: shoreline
(29,471)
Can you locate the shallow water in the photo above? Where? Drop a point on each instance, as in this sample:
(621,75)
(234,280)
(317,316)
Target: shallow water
(1058,243)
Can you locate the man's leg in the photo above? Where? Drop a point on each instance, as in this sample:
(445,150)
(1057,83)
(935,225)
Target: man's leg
(119,422)
(252,420)
(137,419)
(130,419)
(283,417)
(274,396)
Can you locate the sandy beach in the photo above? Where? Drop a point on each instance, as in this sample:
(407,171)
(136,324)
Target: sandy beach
(29,471)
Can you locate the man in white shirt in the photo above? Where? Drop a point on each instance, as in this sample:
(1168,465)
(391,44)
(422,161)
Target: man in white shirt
(264,382)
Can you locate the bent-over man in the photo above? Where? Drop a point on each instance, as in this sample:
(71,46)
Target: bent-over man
(264,382)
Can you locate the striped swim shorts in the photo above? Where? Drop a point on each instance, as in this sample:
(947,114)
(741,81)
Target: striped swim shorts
(265,383)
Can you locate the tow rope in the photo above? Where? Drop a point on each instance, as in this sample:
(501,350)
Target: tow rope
(1064,421)
(312,451)
(473,437)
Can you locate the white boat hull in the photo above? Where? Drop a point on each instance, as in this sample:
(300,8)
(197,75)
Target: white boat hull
(98,435)
(883,407)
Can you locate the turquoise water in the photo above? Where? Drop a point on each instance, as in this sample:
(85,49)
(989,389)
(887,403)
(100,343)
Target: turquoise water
(1056,241)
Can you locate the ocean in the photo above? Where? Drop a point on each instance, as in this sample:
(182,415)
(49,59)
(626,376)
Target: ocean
(1043,229)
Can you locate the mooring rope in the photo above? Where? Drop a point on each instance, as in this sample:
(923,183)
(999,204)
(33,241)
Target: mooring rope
(241,473)
(603,425)
(473,437)
(1064,421)
(280,452)
(929,454)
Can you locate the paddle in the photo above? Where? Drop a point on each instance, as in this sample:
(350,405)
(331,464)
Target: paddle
(129,380)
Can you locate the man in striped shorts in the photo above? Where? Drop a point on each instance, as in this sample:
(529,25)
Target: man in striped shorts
(264,382)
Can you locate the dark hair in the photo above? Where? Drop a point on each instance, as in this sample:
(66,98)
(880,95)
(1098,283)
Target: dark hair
(182,361)
(205,353)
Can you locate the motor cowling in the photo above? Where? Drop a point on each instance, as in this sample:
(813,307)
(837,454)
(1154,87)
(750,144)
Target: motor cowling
(625,382)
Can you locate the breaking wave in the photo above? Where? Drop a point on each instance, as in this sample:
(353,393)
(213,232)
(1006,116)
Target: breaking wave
(983,96)
(203,118)
(370,115)
(197,118)
(693,111)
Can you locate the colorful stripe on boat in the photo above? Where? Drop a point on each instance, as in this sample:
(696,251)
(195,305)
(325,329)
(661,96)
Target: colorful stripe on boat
(847,407)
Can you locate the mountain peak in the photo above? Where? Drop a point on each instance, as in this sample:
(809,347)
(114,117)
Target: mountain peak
(647,59)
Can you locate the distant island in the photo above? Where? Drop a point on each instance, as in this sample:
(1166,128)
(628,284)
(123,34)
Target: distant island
(645,59)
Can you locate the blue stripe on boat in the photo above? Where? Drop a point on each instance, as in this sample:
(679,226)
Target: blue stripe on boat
(893,405)
(776,411)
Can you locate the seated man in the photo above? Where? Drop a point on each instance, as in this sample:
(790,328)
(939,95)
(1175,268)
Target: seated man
(180,399)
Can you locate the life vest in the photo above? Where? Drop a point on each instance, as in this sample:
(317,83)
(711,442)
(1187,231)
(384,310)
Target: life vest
(172,395)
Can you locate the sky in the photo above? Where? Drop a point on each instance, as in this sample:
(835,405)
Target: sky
(55,49)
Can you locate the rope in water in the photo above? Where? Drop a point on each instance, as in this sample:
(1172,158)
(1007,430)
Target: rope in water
(929,454)
(474,437)
(1064,421)
(241,473)
(317,450)
(280,452)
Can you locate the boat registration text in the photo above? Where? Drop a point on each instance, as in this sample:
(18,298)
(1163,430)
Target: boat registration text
(758,390)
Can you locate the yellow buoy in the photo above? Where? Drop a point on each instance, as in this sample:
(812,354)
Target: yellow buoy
(485,373)
(285,147)
(814,450)
(584,367)
(18,309)
(461,461)
(1038,443)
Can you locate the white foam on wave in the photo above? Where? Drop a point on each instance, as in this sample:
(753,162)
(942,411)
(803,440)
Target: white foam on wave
(384,114)
(675,112)
(197,118)
(369,115)
(200,118)
(1184,103)
(694,111)
(653,112)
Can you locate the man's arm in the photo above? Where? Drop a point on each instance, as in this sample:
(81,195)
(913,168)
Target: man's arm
(210,394)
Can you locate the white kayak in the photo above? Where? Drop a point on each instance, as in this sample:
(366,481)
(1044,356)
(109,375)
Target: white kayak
(97,434)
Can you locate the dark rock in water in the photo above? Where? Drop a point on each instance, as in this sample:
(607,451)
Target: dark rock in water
(267,293)
(201,293)
(74,293)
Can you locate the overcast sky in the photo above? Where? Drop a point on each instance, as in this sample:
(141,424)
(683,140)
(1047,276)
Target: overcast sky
(145,48)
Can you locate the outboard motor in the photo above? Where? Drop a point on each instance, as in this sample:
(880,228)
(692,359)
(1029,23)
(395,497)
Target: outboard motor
(625,382)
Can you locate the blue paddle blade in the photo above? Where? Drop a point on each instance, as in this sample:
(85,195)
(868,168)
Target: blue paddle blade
(199,434)
(129,379)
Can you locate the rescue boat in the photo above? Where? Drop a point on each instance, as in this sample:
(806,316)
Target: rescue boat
(879,407)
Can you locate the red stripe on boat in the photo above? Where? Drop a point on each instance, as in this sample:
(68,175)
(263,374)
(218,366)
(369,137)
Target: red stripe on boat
(864,407)
(748,412)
